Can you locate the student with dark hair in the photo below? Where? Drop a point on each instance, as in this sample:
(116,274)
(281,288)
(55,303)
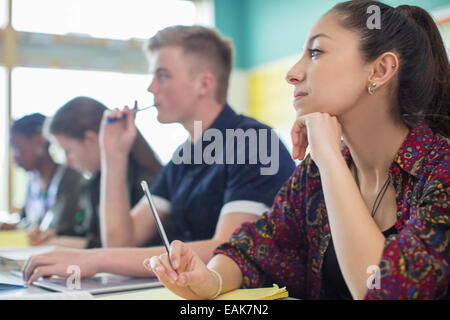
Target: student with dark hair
(367,217)
(75,127)
(53,189)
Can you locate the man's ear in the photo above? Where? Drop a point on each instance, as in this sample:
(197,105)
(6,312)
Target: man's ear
(206,84)
(384,69)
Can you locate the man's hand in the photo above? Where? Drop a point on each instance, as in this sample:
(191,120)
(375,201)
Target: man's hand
(57,263)
(117,138)
(37,237)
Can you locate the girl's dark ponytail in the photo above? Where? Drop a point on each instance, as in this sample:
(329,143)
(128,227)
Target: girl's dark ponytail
(437,115)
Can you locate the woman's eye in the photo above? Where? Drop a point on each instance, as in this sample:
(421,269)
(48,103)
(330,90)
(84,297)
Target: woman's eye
(314,52)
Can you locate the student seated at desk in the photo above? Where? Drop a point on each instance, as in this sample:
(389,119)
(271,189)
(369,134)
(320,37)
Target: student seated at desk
(53,190)
(367,218)
(205,200)
(75,127)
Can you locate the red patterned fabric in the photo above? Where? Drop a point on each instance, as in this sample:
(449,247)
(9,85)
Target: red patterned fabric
(287,245)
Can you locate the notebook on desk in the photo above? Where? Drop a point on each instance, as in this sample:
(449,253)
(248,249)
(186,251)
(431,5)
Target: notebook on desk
(267,293)
(101,283)
(8,282)
(14,238)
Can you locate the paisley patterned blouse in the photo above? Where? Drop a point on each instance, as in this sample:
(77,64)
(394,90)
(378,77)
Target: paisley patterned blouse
(287,245)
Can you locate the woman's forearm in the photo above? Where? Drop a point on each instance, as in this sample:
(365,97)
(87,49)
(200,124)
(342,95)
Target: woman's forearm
(229,271)
(356,237)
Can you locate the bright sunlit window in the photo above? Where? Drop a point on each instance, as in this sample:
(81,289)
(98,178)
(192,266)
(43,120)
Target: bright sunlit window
(4,147)
(45,90)
(40,87)
(114,19)
(3,13)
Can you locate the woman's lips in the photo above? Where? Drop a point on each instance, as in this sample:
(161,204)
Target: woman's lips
(299,95)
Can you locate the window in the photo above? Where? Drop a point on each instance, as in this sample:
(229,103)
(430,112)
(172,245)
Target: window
(4,154)
(115,19)
(38,88)
(3,13)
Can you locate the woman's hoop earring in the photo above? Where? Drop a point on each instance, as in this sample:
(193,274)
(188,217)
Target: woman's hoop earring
(369,89)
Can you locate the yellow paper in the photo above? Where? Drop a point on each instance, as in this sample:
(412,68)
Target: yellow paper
(255,294)
(14,238)
(148,294)
(270,293)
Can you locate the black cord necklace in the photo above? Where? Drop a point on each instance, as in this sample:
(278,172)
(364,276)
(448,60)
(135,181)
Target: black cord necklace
(380,195)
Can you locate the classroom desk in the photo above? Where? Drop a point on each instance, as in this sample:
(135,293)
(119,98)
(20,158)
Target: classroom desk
(21,253)
(21,293)
(33,292)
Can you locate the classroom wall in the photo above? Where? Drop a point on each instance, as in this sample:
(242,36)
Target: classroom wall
(268,36)
(267,30)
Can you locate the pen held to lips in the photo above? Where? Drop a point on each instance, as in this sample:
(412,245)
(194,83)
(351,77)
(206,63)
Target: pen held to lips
(135,110)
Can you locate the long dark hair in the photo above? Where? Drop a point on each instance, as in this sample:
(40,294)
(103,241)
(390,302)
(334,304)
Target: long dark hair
(77,116)
(423,75)
(81,114)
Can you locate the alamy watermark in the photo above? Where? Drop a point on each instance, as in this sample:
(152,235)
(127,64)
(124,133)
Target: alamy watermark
(374,280)
(74,280)
(374,20)
(249,146)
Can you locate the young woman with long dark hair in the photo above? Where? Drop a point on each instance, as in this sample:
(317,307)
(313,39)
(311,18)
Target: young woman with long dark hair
(366,216)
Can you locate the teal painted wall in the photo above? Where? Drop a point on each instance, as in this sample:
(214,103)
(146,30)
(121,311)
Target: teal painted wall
(231,19)
(268,30)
